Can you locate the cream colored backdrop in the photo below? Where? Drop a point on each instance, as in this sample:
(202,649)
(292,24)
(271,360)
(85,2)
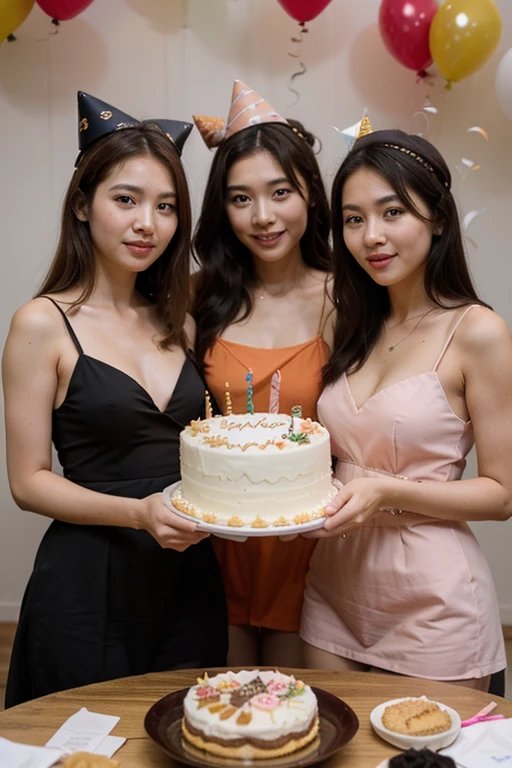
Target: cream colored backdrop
(170,58)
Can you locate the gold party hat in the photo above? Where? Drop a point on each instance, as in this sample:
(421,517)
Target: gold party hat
(365,127)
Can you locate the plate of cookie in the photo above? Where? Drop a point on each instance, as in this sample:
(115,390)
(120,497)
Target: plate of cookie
(416,722)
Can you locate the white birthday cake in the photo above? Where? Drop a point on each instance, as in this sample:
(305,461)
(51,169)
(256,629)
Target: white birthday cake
(250,714)
(255,470)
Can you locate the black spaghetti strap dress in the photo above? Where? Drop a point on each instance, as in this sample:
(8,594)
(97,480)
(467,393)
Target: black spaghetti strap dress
(105,602)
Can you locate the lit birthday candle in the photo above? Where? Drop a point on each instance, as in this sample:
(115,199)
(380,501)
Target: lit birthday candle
(208,413)
(229,405)
(250,404)
(275,387)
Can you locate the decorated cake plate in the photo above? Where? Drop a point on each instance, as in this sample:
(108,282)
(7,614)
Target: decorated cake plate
(338,725)
(244,532)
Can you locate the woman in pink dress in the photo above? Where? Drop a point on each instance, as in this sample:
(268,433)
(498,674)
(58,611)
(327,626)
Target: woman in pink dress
(421,369)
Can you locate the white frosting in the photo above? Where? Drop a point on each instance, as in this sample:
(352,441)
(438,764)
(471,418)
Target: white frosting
(246,466)
(293,715)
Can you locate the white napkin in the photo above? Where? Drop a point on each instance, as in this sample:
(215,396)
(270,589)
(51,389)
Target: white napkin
(14,755)
(84,731)
(484,745)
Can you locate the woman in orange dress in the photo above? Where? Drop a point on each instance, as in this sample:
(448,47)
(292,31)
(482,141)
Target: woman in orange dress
(262,304)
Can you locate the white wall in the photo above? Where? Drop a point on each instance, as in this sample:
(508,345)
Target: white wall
(170,58)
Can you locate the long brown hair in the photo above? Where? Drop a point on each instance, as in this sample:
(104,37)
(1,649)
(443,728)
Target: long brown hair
(363,305)
(227,272)
(166,282)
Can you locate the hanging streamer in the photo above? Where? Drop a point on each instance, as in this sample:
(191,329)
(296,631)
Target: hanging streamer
(296,41)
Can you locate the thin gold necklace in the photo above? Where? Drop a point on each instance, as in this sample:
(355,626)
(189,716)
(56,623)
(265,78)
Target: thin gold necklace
(422,317)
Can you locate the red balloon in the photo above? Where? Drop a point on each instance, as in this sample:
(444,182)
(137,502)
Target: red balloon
(304,10)
(405,26)
(63,10)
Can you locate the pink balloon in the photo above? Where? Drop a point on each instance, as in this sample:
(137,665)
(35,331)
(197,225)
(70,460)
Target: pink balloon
(404,26)
(63,10)
(304,10)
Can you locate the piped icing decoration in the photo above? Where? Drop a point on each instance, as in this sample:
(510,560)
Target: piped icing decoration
(229,405)
(265,701)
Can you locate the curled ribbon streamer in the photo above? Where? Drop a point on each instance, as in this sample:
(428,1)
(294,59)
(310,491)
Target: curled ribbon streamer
(420,113)
(468,218)
(481,131)
(297,40)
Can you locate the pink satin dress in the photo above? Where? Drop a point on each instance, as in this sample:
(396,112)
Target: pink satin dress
(407,593)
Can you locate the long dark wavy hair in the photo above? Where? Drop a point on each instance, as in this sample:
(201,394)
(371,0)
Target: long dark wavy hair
(166,282)
(363,305)
(227,274)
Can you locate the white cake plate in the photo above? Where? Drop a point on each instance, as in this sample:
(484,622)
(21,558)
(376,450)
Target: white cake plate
(245,531)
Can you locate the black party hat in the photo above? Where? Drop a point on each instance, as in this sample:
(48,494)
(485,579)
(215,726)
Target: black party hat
(176,130)
(96,119)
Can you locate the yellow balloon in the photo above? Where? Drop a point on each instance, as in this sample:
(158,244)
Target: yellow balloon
(12,14)
(463,35)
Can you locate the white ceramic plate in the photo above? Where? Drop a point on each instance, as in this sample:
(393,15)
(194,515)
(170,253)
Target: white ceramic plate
(244,532)
(401,740)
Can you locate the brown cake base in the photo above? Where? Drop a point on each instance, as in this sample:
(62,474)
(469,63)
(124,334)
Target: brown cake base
(251,749)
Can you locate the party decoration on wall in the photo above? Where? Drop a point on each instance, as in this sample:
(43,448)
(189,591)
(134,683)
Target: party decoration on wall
(503,83)
(405,26)
(304,10)
(63,10)
(463,35)
(12,15)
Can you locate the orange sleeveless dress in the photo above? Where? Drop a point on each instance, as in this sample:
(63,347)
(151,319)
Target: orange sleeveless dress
(264,577)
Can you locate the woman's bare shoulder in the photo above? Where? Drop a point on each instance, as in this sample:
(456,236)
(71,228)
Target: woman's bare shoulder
(483,335)
(38,318)
(482,326)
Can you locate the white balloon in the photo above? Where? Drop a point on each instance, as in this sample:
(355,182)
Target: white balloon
(503,83)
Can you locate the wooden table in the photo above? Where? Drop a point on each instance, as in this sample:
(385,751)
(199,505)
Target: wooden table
(131,697)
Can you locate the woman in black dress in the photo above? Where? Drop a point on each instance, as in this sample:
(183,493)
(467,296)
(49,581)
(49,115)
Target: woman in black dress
(99,363)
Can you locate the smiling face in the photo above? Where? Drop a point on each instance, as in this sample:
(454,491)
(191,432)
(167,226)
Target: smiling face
(387,240)
(132,217)
(266,213)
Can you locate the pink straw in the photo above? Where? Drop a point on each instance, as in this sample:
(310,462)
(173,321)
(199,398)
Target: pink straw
(483,716)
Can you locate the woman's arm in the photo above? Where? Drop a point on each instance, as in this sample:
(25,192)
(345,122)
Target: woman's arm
(30,380)
(484,348)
